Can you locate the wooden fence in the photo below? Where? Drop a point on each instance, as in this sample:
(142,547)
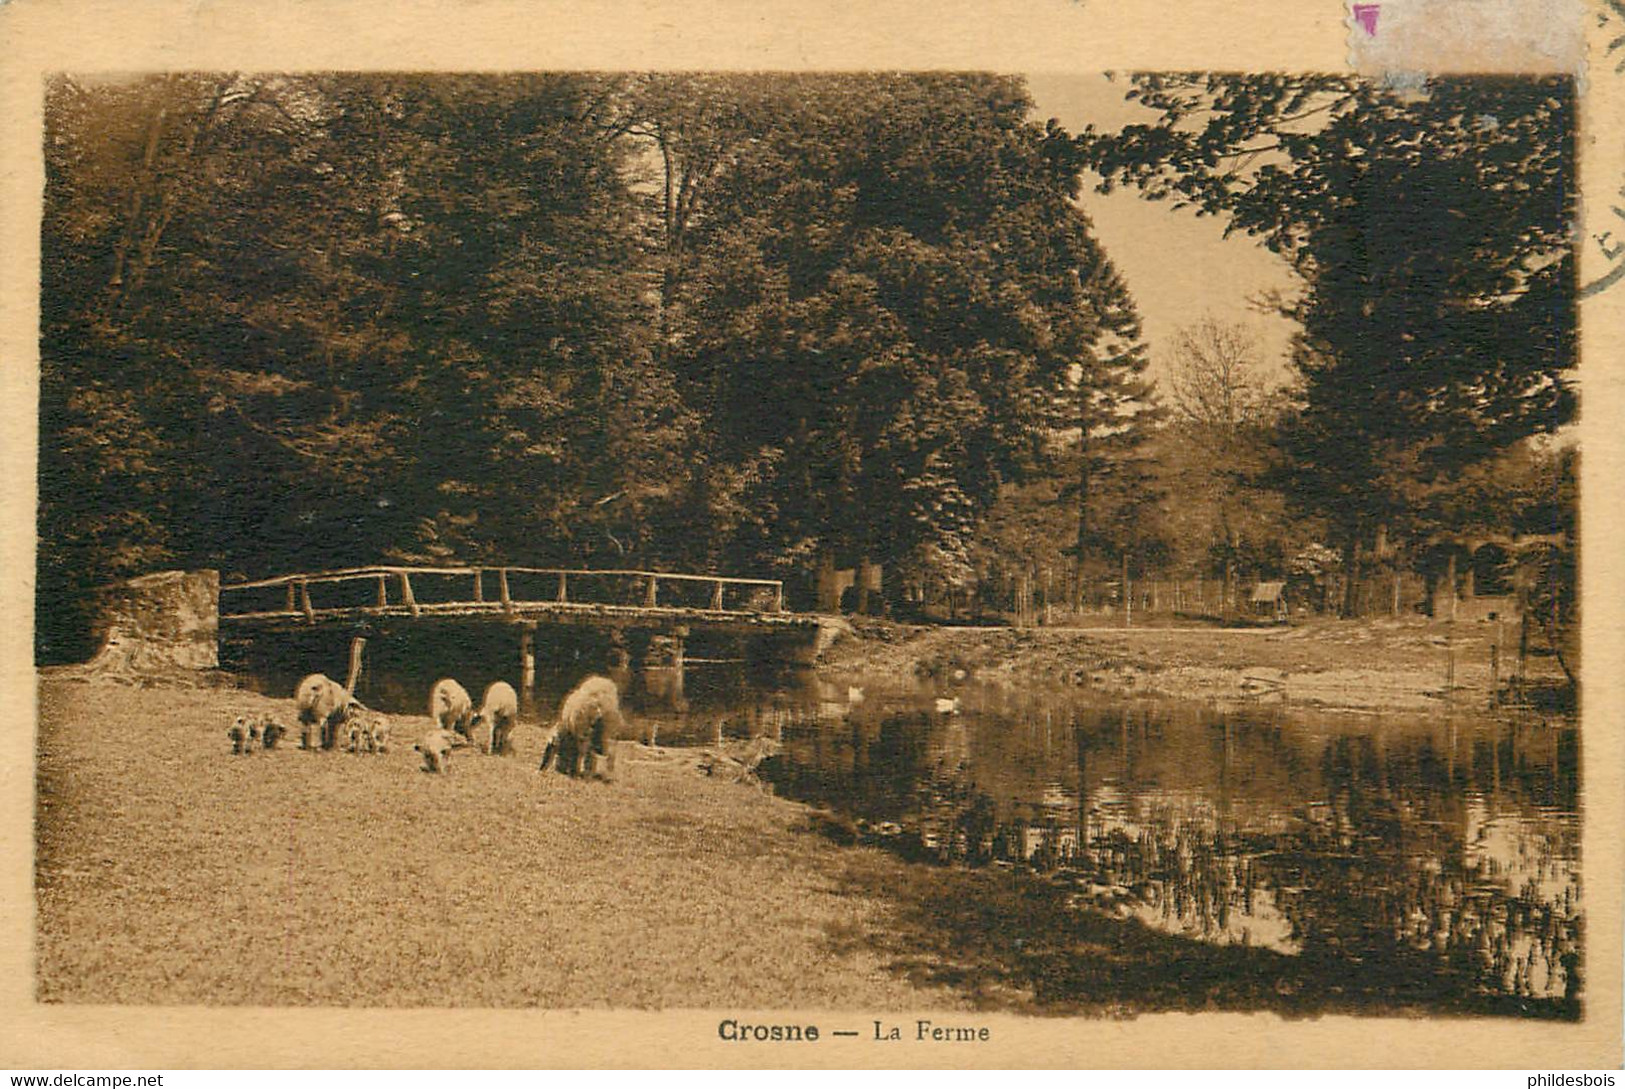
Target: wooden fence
(1030,602)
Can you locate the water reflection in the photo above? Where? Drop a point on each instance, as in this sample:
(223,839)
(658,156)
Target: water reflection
(1424,859)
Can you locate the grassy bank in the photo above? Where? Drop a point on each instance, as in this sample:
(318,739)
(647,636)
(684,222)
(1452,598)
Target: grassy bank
(1399,665)
(171,872)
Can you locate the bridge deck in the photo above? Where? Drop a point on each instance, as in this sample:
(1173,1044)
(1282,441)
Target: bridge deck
(757,603)
(535,611)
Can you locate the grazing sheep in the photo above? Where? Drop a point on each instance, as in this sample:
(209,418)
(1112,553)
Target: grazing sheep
(241,733)
(271,732)
(589,725)
(496,717)
(436,746)
(449,706)
(324,705)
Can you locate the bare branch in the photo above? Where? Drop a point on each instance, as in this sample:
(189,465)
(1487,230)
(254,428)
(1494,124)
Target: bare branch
(1213,376)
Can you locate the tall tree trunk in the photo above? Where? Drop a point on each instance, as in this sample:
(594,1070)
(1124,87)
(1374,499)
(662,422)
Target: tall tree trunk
(1351,571)
(1128,604)
(1450,588)
(1553,640)
(1553,628)
(132,226)
(1083,517)
(829,601)
(1228,592)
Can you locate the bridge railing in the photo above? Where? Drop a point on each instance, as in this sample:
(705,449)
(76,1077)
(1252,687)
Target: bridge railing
(419,589)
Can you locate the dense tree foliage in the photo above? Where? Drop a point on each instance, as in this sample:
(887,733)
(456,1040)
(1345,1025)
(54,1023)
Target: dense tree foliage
(764,324)
(885,302)
(305,322)
(1432,232)
(294,322)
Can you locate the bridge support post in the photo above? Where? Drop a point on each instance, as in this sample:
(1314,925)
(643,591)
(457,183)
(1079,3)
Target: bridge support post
(663,668)
(357,645)
(618,661)
(406,593)
(527,663)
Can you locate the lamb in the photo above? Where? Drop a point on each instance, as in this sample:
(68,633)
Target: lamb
(242,734)
(436,746)
(449,706)
(497,714)
(271,731)
(250,731)
(324,705)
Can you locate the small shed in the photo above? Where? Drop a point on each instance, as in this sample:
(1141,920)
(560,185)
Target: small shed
(1269,599)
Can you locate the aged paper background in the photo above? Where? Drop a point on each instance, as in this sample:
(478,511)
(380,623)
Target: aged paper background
(1034,36)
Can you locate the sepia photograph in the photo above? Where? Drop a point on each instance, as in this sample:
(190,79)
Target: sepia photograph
(912,548)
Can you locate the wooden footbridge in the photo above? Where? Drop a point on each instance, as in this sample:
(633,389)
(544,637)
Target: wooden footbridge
(609,598)
(663,606)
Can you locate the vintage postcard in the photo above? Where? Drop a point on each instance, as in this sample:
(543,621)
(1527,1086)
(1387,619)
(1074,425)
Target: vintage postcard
(781,535)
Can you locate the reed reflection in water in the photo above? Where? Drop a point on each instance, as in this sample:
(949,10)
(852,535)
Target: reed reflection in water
(1426,859)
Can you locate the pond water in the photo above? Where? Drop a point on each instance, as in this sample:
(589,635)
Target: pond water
(1434,858)
(1441,855)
